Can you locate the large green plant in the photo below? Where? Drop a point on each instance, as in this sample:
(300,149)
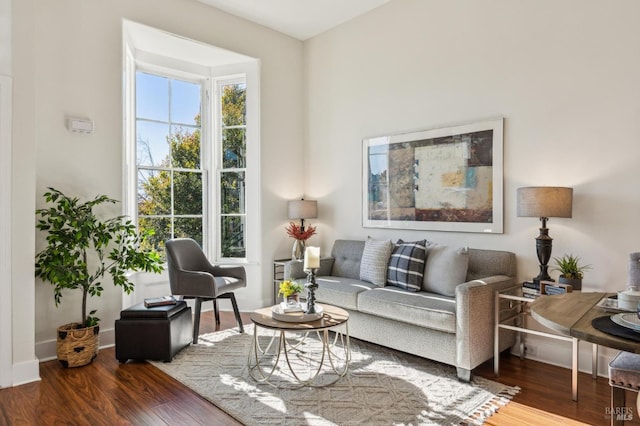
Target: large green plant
(81,249)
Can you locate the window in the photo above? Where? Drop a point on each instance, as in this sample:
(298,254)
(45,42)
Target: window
(233,147)
(173,165)
(169,162)
(191,155)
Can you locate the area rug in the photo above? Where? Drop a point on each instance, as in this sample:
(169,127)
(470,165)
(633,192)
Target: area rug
(382,387)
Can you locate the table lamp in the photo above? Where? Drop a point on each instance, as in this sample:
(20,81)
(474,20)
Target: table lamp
(544,202)
(302,209)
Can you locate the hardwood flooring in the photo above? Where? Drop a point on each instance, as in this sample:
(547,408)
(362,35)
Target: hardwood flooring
(107,393)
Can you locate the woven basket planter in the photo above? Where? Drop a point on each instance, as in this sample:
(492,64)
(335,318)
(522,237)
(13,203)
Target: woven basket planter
(77,346)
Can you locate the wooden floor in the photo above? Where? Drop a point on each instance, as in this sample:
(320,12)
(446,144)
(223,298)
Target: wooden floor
(107,393)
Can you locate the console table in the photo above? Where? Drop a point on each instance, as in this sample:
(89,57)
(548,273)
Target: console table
(569,314)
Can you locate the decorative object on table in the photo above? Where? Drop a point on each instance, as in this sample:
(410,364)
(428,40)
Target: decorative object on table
(551,288)
(571,271)
(610,304)
(152,302)
(418,391)
(633,278)
(531,290)
(544,202)
(81,249)
(301,209)
(311,265)
(444,179)
(628,299)
(290,292)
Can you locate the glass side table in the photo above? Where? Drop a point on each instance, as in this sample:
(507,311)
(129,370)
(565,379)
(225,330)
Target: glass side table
(511,310)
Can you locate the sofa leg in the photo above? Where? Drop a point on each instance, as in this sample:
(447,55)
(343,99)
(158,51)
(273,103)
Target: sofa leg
(464,375)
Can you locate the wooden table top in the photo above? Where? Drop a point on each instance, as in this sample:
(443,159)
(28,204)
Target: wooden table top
(332,317)
(571,314)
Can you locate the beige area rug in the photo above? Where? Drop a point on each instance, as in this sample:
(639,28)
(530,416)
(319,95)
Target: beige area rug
(382,387)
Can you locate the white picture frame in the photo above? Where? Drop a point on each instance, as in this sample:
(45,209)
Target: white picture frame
(443,179)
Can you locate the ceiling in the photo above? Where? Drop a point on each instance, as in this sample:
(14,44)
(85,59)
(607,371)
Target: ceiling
(301,19)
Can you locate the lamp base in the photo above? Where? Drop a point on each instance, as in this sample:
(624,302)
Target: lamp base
(543,251)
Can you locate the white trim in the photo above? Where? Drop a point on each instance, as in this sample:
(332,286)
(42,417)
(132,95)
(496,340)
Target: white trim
(6,332)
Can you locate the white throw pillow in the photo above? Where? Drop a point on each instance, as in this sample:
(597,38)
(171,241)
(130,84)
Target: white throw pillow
(446,267)
(375,258)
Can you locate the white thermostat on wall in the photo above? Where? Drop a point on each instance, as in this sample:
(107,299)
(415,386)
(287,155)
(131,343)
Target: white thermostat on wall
(80,125)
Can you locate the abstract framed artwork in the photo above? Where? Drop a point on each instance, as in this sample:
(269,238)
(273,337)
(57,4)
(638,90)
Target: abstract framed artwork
(444,179)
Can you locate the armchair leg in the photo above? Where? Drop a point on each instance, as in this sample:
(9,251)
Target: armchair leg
(216,312)
(236,312)
(196,320)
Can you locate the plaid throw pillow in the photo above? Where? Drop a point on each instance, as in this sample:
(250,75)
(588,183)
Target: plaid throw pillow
(406,265)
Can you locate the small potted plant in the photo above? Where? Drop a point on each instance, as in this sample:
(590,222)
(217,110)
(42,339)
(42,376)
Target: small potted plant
(81,249)
(571,271)
(290,292)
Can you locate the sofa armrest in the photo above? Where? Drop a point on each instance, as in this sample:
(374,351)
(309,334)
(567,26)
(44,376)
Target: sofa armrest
(294,269)
(475,319)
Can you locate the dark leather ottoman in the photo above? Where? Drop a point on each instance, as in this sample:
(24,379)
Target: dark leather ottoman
(156,333)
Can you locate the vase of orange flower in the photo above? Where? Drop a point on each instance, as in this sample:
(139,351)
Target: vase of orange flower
(300,236)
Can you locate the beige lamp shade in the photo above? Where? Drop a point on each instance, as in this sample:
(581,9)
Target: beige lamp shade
(545,201)
(303,209)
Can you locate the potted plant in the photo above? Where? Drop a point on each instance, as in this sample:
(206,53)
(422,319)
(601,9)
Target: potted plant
(571,271)
(81,249)
(289,290)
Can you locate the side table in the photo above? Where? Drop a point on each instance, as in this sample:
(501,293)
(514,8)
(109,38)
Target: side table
(511,310)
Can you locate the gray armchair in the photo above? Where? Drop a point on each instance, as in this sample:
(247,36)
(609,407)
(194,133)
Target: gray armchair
(192,276)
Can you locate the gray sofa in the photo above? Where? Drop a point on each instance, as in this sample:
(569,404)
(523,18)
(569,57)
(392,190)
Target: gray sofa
(455,328)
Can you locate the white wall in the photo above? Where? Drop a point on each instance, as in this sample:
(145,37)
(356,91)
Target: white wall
(77,70)
(563,74)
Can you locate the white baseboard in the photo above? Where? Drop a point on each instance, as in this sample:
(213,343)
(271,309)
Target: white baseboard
(25,372)
(559,353)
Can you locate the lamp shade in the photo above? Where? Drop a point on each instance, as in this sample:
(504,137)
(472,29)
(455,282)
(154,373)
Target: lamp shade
(545,201)
(303,209)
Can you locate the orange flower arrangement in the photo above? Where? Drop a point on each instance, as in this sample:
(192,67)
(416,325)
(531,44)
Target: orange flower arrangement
(296,231)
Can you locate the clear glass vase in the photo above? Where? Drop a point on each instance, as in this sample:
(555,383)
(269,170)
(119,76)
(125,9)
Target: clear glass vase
(297,251)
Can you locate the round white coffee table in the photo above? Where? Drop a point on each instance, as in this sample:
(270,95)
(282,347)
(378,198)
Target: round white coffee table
(297,354)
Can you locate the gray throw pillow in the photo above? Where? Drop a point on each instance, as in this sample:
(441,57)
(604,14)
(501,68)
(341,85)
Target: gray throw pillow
(446,267)
(375,258)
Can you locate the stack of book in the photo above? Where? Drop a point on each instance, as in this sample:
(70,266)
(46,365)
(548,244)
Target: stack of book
(550,287)
(531,289)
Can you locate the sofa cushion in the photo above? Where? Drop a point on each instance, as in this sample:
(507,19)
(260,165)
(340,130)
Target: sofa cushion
(342,292)
(406,265)
(346,255)
(375,258)
(419,308)
(445,268)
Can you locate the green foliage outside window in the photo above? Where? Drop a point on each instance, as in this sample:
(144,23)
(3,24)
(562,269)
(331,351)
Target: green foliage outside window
(182,169)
